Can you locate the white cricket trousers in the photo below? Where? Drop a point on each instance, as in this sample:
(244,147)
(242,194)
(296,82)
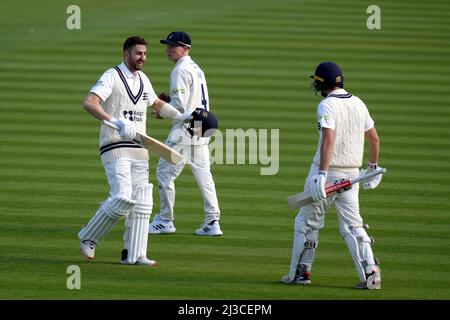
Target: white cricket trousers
(125,175)
(198,159)
(347,203)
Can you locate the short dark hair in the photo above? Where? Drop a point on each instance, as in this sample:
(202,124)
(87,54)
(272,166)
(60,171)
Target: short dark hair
(132,41)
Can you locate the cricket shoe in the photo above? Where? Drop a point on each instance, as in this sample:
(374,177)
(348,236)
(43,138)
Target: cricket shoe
(373,281)
(88,249)
(302,279)
(159,226)
(143,261)
(209,229)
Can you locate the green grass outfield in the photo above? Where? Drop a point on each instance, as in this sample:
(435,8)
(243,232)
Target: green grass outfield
(257,56)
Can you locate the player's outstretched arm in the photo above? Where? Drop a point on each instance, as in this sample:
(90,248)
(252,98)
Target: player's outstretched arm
(167,111)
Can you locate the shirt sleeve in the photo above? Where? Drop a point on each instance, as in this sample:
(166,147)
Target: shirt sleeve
(151,94)
(104,86)
(180,84)
(369,122)
(325,118)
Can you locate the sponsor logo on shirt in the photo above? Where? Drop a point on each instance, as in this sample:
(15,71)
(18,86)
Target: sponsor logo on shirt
(178,91)
(132,115)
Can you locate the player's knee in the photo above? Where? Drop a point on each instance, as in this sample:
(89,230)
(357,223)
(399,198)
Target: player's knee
(118,206)
(143,195)
(311,234)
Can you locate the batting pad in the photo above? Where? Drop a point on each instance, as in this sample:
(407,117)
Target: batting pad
(303,248)
(359,245)
(136,223)
(105,218)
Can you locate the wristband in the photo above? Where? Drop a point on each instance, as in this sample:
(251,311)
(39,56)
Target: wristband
(372,166)
(322,173)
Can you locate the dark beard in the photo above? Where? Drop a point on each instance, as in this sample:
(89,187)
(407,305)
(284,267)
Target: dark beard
(135,67)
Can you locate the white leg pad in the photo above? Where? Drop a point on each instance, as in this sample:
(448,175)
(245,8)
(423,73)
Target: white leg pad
(359,245)
(105,218)
(136,226)
(303,249)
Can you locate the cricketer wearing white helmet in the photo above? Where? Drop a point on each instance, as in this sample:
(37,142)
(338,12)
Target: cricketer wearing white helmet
(122,96)
(188,90)
(343,123)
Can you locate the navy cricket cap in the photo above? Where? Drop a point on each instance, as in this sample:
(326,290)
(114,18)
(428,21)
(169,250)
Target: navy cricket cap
(328,75)
(178,38)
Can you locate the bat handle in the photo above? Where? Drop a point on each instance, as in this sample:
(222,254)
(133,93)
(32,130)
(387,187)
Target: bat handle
(110,124)
(368,175)
(335,188)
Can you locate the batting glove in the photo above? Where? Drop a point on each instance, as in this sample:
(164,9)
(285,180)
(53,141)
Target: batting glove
(373,182)
(317,185)
(126,128)
(163,96)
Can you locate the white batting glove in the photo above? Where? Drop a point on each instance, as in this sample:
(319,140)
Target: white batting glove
(373,182)
(182,117)
(317,185)
(126,128)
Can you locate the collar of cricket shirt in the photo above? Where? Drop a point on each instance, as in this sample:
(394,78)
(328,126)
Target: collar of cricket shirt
(127,72)
(337,92)
(183,59)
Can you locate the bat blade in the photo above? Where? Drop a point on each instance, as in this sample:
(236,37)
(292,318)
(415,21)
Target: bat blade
(159,148)
(299,200)
(154,145)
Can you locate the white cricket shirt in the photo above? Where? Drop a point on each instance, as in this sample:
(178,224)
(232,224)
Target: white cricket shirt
(348,116)
(188,91)
(123,95)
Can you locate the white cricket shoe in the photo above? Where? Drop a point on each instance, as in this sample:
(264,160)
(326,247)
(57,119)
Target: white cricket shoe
(303,280)
(88,249)
(159,226)
(209,229)
(146,262)
(143,261)
(373,281)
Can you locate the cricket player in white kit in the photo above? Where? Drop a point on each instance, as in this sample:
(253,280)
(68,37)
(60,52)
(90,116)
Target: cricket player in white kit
(343,122)
(187,89)
(122,96)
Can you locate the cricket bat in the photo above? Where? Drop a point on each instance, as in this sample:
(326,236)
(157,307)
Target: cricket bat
(304,198)
(153,145)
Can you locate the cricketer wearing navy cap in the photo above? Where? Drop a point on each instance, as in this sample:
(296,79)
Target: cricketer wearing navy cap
(177,38)
(344,123)
(189,95)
